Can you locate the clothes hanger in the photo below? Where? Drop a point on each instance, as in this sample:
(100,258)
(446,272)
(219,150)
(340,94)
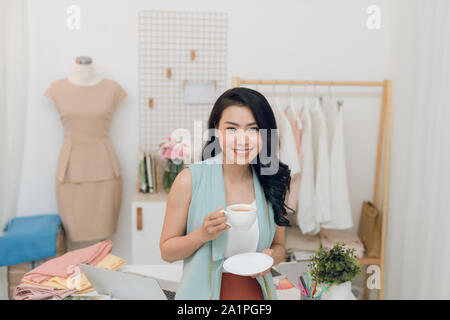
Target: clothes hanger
(317,101)
(329,97)
(290,96)
(273,99)
(274,95)
(270,97)
(291,102)
(320,100)
(290,105)
(316,98)
(340,103)
(305,100)
(329,88)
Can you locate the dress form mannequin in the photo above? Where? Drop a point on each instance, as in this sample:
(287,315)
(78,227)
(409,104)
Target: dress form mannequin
(84,73)
(88,177)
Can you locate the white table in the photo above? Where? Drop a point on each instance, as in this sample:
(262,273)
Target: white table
(169,276)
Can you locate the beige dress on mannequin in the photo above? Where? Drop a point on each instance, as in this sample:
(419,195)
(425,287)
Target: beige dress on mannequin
(88,176)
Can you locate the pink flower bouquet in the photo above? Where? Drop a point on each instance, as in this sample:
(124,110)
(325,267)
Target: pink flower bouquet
(175,152)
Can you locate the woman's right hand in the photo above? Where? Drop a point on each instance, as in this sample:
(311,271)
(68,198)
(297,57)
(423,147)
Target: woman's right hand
(213,225)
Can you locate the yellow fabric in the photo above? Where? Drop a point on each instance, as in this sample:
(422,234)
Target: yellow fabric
(110,262)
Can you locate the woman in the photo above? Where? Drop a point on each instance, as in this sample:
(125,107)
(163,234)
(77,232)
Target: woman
(237,167)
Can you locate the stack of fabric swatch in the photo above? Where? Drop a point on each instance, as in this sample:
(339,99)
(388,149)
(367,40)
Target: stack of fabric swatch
(60,277)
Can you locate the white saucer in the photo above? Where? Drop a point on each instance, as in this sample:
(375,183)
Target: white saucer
(247,264)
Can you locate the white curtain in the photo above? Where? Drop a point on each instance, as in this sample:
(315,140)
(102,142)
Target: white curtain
(13,101)
(418,242)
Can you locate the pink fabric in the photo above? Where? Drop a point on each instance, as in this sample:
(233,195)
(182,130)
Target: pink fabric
(297,133)
(58,267)
(26,291)
(329,237)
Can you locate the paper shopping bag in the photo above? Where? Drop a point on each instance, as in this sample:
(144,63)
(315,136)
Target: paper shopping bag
(369,230)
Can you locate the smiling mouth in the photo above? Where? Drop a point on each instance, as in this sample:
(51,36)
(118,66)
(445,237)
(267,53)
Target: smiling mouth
(242,151)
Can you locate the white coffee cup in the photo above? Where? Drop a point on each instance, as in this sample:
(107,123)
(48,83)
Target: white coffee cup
(240,216)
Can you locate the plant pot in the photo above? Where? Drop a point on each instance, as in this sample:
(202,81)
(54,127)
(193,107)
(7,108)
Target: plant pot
(171,172)
(341,291)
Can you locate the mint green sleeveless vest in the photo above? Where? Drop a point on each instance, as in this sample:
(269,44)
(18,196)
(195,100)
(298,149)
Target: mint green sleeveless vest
(202,271)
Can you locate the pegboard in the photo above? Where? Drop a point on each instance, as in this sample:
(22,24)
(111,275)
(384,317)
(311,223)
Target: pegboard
(175,47)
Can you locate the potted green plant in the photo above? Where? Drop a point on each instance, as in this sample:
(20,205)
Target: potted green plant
(335,268)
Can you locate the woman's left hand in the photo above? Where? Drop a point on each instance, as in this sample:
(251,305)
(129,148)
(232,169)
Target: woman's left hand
(270,253)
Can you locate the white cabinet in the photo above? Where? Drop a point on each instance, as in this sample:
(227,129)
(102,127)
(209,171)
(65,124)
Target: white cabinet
(147,212)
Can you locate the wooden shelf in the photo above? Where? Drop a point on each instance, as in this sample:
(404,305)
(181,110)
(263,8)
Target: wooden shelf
(159,196)
(369,260)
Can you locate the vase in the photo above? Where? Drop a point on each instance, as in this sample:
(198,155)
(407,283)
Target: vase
(171,172)
(341,291)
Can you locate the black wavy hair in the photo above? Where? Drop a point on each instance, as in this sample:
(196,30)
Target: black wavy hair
(275,185)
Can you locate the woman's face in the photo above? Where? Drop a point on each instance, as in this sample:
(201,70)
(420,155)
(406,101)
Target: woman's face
(239,135)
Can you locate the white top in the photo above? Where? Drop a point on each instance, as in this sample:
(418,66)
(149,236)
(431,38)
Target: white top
(322,209)
(242,241)
(305,209)
(288,147)
(341,212)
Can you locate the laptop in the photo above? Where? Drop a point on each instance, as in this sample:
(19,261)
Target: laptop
(123,286)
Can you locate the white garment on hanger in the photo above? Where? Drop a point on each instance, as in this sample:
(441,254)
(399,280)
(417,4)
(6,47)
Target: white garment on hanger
(292,114)
(339,195)
(288,149)
(305,210)
(322,209)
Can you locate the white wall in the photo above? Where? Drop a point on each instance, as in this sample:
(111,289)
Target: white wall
(283,39)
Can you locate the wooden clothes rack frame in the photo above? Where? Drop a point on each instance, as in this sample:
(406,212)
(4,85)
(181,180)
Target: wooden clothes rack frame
(382,158)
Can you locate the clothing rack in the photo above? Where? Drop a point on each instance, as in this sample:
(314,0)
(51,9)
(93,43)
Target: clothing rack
(382,157)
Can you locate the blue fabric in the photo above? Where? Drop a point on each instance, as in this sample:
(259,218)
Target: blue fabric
(29,238)
(202,271)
